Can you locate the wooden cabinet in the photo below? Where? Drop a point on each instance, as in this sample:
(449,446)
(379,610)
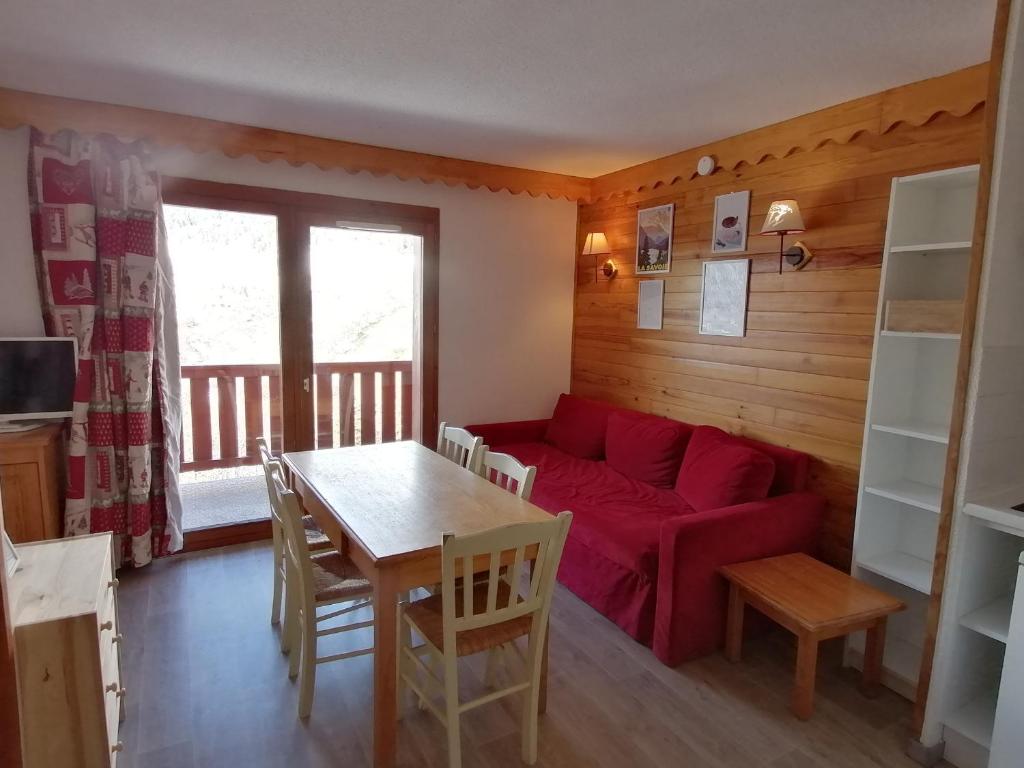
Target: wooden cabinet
(31,468)
(63,604)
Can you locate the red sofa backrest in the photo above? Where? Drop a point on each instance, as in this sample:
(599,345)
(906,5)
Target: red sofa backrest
(582,424)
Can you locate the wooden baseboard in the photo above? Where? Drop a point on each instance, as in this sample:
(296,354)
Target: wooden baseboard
(226,535)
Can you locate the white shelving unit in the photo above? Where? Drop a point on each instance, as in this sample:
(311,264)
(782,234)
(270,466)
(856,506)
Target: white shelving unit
(974,715)
(910,404)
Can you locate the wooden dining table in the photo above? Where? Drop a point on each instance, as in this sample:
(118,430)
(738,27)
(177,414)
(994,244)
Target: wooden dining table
(386,506)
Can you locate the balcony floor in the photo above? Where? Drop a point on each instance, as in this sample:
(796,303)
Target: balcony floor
(212,501)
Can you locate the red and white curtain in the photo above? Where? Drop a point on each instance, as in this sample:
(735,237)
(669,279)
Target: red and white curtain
(104,277)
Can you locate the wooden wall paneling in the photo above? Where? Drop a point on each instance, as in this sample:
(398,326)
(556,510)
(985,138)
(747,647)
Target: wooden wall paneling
(916,104)
(799,377)
(967,333)
(165,129)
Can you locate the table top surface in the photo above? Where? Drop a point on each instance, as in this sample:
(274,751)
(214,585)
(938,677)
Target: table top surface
(809,591)
(397,499)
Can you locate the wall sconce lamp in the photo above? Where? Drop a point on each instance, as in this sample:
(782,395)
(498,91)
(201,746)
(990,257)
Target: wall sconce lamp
(597,245)
(784,219)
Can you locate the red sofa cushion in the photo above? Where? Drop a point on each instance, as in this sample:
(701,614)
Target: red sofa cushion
(719,471)
(646,448)
(614,516)
(578,426)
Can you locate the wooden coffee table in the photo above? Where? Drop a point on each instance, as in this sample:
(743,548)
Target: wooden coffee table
(815,602)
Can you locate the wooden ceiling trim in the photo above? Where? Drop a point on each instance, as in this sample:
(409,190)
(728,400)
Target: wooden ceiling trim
(169,130)
(957,94)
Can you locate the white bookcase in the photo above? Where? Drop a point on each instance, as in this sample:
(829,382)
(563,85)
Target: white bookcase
(987,535)
(909,408)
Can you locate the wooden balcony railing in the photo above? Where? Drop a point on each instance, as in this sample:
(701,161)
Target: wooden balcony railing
(356,404)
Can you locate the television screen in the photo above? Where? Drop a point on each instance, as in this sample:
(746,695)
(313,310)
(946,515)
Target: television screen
(37,378)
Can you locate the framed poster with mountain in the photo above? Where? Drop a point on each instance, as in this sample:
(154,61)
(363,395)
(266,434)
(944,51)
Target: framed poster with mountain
(654,240)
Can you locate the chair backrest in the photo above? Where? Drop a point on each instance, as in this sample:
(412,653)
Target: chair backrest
(460,446)
(286,508)
(506,471)
(266,459)
(461,556)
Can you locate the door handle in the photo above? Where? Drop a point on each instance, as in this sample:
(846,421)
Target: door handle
(305,384)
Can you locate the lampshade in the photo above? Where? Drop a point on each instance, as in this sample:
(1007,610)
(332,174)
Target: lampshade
(596,244)
(783,217)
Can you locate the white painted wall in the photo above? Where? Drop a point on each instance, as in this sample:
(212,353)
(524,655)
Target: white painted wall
(19,294)
(506,280)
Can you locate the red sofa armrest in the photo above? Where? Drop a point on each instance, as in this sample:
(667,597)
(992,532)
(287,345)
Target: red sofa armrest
(692,597)
(511,432)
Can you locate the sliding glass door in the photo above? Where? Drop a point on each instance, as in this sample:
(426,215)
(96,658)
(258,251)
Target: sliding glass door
(306,319)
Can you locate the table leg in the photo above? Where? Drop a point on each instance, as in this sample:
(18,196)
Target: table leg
(806,673)
(874,650)
(734,624)
(385,636)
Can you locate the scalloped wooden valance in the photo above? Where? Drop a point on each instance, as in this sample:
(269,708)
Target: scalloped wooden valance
(168,130)
(959,93)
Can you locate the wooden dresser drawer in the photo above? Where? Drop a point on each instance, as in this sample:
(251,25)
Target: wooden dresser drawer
(64,605)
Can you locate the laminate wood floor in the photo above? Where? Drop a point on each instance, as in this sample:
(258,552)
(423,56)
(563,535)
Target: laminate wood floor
(208,686)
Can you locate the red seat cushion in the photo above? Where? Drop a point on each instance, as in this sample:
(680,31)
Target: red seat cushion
(646,448)
(578,426)
(719,471)
(613,515)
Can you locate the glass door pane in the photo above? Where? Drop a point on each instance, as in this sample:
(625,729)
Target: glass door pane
(362,319)
(226,290)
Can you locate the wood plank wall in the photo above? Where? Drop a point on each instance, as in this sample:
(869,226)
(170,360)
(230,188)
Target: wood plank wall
(799,377)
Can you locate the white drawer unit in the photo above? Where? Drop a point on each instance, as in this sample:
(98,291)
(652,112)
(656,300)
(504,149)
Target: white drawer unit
(68,648)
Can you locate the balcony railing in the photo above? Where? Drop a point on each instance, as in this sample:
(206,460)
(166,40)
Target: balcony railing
(226,407)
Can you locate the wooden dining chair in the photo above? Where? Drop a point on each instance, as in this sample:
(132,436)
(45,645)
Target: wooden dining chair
(491,613)
(315,539)
(460,446)
(506,471)
(314,581)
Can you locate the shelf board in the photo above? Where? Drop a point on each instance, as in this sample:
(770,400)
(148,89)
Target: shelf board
(902,568)
(996,510)
(976,720)
(935,433)
(920,335)
(992,620)
(920,495)
(959,245)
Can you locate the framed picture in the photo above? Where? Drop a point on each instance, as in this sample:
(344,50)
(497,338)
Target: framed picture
(732,213)
(650,305)
(723,297)
(654,240)
(10,555)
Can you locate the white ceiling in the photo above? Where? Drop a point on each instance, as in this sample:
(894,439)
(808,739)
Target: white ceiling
(576,86)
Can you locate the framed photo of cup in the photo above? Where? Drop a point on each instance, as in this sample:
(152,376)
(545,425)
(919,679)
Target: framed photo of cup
(732,213)
(654,240)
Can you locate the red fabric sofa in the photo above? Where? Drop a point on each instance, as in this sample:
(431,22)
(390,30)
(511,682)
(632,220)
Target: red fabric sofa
(657,506)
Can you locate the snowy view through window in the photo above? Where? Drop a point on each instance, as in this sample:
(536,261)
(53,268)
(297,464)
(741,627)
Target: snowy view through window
(226,292)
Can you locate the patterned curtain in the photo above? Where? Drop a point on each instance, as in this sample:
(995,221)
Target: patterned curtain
(104,279)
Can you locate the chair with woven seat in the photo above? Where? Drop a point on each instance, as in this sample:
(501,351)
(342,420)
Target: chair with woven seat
(315,539)
(460,446)
(314,582)
(490,614)
(506,471)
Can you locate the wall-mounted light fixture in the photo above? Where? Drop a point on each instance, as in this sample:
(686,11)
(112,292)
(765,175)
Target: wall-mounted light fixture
(597,245)
(784,219)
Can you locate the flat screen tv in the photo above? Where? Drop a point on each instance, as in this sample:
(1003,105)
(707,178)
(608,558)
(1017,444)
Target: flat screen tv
(37,378)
